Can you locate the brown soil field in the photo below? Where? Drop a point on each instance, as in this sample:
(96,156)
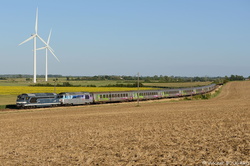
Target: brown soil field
(192,132)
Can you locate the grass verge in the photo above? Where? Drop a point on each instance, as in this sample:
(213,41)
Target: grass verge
(205,96)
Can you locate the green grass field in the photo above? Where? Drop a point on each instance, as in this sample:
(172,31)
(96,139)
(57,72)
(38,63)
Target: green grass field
(7,99)
(23,82)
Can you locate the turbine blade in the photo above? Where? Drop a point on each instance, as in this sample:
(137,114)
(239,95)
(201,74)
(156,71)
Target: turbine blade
(36,25)
(53,54)
(41,48)
(42,40)
(49,36)
(45,43)
(51,48)
(27,40)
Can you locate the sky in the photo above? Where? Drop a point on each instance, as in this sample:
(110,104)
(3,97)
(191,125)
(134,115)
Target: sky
(124,37)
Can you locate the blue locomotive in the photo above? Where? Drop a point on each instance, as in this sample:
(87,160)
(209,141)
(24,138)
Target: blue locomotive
(33,100)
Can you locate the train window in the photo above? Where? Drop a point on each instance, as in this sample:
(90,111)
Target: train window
(86,96)
(77,96)
(60,96)
(33,100)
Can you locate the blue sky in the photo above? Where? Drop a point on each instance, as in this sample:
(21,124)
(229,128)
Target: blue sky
(123,37)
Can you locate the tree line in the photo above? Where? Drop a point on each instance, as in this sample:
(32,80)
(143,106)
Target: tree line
(147,79)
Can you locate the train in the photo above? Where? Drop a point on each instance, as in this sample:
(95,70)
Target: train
(34,100)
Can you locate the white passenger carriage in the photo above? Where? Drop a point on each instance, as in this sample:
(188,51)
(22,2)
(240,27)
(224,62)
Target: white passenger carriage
(118,96)
(147,94)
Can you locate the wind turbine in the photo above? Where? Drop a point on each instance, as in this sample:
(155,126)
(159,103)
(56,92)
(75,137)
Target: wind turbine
(51,51)
(34,36)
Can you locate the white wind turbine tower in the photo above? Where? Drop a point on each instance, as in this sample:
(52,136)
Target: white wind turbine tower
(34,36)
(46,59)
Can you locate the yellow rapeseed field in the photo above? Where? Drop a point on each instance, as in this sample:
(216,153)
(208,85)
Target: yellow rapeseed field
(16,90)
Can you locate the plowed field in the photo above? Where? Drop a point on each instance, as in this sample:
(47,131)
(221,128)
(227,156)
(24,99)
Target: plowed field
(201,132)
